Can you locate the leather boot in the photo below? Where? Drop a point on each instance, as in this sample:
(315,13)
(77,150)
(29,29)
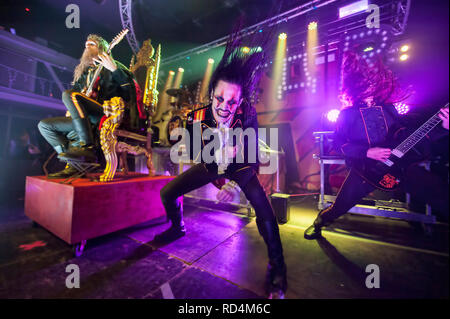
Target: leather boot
(315,230)
(86,152)
(276,281)
(65,173)
(177,229)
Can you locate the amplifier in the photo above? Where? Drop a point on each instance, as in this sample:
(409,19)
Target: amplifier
(280,205)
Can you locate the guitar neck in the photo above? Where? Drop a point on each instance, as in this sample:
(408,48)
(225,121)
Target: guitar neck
(96,74)
(419,134)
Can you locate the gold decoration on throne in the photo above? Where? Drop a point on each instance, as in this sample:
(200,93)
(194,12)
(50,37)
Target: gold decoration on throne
(145,69)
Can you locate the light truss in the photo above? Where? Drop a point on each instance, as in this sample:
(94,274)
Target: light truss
(127,23)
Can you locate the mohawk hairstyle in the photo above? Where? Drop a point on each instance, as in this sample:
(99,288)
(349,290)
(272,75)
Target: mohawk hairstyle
(241,68)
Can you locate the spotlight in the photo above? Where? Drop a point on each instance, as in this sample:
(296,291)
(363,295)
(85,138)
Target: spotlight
(312,25)
(210,60)
(180,70)
(333,115)
(282,36)
(368,49)
(356,7)
(401,108)
(404,57)
(245,50)
(404,48)
(171,72)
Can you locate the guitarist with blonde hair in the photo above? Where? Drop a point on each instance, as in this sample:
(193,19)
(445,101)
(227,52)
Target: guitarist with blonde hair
(84,103)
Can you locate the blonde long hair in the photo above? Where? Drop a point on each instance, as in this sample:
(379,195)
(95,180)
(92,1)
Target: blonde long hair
(86,59)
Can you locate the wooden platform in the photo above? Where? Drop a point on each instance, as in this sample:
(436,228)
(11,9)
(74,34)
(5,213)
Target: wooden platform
(86,209)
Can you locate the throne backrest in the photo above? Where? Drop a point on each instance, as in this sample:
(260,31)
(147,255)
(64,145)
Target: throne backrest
(145,69)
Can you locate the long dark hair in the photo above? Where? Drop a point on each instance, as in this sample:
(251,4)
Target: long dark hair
(241,67)
(361,81)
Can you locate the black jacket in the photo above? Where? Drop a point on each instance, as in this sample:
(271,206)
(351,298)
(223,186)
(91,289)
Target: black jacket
(360,127)
(205,119)
(110,84)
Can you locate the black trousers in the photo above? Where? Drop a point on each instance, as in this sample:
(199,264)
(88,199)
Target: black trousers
(80,106)
(198,175)
(58,131)
(352,191)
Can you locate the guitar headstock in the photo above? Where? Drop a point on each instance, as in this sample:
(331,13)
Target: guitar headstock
(117,39)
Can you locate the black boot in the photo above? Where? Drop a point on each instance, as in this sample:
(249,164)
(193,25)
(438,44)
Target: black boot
(174,211)
(86,152)
(276,281)
(67,172)
(170,235)
(315,230)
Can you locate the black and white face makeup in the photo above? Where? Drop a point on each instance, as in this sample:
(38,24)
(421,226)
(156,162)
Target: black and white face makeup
(226,99)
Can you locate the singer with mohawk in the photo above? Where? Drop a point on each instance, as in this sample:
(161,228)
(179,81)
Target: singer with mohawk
(232,85)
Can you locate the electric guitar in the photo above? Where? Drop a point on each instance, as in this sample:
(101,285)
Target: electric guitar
(387,175)
(113,43)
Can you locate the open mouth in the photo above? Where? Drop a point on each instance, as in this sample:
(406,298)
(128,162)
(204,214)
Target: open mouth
(223,113)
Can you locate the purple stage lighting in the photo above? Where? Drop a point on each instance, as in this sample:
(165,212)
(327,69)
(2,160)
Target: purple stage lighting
(353,8)
(402,108)
(333,115)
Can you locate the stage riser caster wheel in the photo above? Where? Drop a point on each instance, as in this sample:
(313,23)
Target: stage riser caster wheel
(79,248)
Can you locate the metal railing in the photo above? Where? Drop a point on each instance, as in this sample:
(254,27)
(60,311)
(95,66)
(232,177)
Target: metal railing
(19,80)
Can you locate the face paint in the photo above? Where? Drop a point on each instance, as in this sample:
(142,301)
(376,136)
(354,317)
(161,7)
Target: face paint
(226,100)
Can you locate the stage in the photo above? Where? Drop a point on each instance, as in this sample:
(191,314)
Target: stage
(223,256)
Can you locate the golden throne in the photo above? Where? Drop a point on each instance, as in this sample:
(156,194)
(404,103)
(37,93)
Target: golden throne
(115,138)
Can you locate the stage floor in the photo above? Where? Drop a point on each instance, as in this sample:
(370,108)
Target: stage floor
(223,256)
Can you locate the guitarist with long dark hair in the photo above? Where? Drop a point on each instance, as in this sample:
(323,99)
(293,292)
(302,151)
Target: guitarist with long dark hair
(85,108)
(366,122)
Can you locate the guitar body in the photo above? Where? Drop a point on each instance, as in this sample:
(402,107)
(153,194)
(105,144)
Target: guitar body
(387,175)
(379,175)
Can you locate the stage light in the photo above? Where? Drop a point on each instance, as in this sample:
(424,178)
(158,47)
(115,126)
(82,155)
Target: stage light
(312,25)
(404,48)
(402,108)
(203,90)
(404,57)
(258,49)
(368,49)
(180,70)
(171,72)
(360,6)
(333,115)
(279,66)
(27,9)
(245,50)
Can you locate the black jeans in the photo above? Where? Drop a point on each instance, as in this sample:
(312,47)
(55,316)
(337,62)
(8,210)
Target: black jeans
(198,175)
(57,131)
(351,192)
